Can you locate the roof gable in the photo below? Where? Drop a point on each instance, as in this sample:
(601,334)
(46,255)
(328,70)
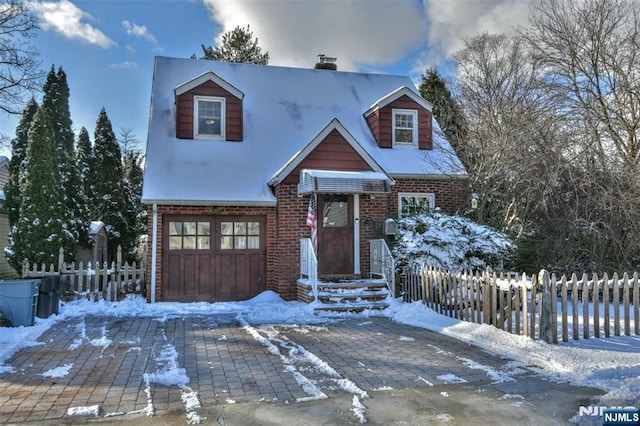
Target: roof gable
(203,78)
(299,157)
(395,95)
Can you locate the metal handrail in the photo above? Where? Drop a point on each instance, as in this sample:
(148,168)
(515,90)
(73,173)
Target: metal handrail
(382,263)
(309,265)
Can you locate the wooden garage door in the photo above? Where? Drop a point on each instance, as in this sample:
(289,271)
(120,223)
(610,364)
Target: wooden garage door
(213,258)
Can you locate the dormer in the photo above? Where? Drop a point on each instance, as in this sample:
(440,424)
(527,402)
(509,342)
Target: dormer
(401,119)
(208,107)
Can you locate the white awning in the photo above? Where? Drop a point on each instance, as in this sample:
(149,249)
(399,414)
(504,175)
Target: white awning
(338,182)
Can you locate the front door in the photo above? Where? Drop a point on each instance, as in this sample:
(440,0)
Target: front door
(335,234)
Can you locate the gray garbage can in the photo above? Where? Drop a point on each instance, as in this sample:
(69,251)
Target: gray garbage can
(48,297)
(18,301)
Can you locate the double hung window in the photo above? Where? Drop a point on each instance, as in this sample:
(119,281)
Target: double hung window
(209,120)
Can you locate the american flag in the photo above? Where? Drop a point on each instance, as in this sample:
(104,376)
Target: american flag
(312,220)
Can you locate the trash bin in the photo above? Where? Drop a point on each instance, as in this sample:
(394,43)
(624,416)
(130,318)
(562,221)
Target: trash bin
(49,297)
(18,301)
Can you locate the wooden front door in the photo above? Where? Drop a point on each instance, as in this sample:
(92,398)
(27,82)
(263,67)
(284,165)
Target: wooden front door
(335,234)
(213,258)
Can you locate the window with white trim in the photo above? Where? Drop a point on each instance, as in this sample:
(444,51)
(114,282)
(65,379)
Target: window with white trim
(411,204)
(405,127)
(209,117)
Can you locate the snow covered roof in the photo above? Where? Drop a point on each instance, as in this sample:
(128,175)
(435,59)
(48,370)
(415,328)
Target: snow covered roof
(284,110)
(95,227)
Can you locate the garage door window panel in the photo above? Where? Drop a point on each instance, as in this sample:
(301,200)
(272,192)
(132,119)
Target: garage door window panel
(239,235)
(189,235)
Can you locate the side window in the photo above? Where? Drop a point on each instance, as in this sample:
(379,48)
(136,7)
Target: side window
(405,127)
(209,117)
(411,204)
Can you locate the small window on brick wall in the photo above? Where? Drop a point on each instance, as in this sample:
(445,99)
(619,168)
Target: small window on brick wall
(411,204)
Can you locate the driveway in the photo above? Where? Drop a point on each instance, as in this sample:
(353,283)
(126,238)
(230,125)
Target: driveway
(220,369)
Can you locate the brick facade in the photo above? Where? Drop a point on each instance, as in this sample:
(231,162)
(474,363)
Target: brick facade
(286,224)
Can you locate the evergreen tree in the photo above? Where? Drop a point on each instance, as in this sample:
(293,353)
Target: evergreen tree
(237,45)
(43,226)
(56,101)
(110,192)
(19,144)
(137,214)
(446,110)
(84,161)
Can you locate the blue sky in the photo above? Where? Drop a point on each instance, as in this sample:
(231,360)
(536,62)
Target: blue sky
(107,47)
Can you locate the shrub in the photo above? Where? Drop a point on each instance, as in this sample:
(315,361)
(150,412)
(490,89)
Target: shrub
(451,242)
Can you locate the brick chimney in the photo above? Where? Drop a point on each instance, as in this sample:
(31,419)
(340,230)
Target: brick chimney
(326,63)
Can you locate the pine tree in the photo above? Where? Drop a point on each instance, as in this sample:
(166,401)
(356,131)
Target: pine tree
(84,168)
(110,189)
(43,226)
(445,108)
(19,144)
(237,45)
(56,101)
(137,213)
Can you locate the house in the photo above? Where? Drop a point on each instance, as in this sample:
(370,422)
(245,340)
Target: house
(238,154)
(6,271)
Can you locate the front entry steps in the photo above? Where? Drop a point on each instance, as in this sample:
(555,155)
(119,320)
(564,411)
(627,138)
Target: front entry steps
(347,295)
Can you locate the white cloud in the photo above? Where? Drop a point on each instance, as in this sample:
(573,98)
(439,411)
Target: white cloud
(453,21)
(66,18)
(138,31)
(126,65)
(359,33)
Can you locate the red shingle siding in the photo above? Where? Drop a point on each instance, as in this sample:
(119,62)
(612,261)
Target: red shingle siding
(381,123)
(185,112)
(333,153)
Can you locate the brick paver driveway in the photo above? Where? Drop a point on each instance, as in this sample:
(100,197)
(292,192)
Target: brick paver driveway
(141,366)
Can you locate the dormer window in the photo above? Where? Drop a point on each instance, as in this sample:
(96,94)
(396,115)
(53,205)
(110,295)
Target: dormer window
(209,122)
(405,127)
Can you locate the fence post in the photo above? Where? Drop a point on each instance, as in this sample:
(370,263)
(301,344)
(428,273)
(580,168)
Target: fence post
(546,330)
(60,260)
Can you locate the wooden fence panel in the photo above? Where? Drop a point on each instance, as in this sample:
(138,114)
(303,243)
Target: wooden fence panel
(101,282)
(508,303)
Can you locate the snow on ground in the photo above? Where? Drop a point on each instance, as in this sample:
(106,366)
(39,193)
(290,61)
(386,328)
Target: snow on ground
(611,364)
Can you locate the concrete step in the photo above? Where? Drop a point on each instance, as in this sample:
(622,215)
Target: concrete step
(350,307)
(352,295)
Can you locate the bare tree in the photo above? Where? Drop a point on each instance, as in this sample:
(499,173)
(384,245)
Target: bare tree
(590,52)
(20,74)
(592,49)
(511,130)
(129,142)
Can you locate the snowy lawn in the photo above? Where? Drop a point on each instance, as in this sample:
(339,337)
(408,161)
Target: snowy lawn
(612,364)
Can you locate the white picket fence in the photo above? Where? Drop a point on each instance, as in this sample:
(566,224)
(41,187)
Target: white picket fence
(93,282)
(541,306)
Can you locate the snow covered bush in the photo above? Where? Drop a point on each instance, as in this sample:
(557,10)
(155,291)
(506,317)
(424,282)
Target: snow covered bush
(451,242)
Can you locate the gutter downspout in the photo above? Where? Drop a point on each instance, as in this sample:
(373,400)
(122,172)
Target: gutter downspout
(154,252)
